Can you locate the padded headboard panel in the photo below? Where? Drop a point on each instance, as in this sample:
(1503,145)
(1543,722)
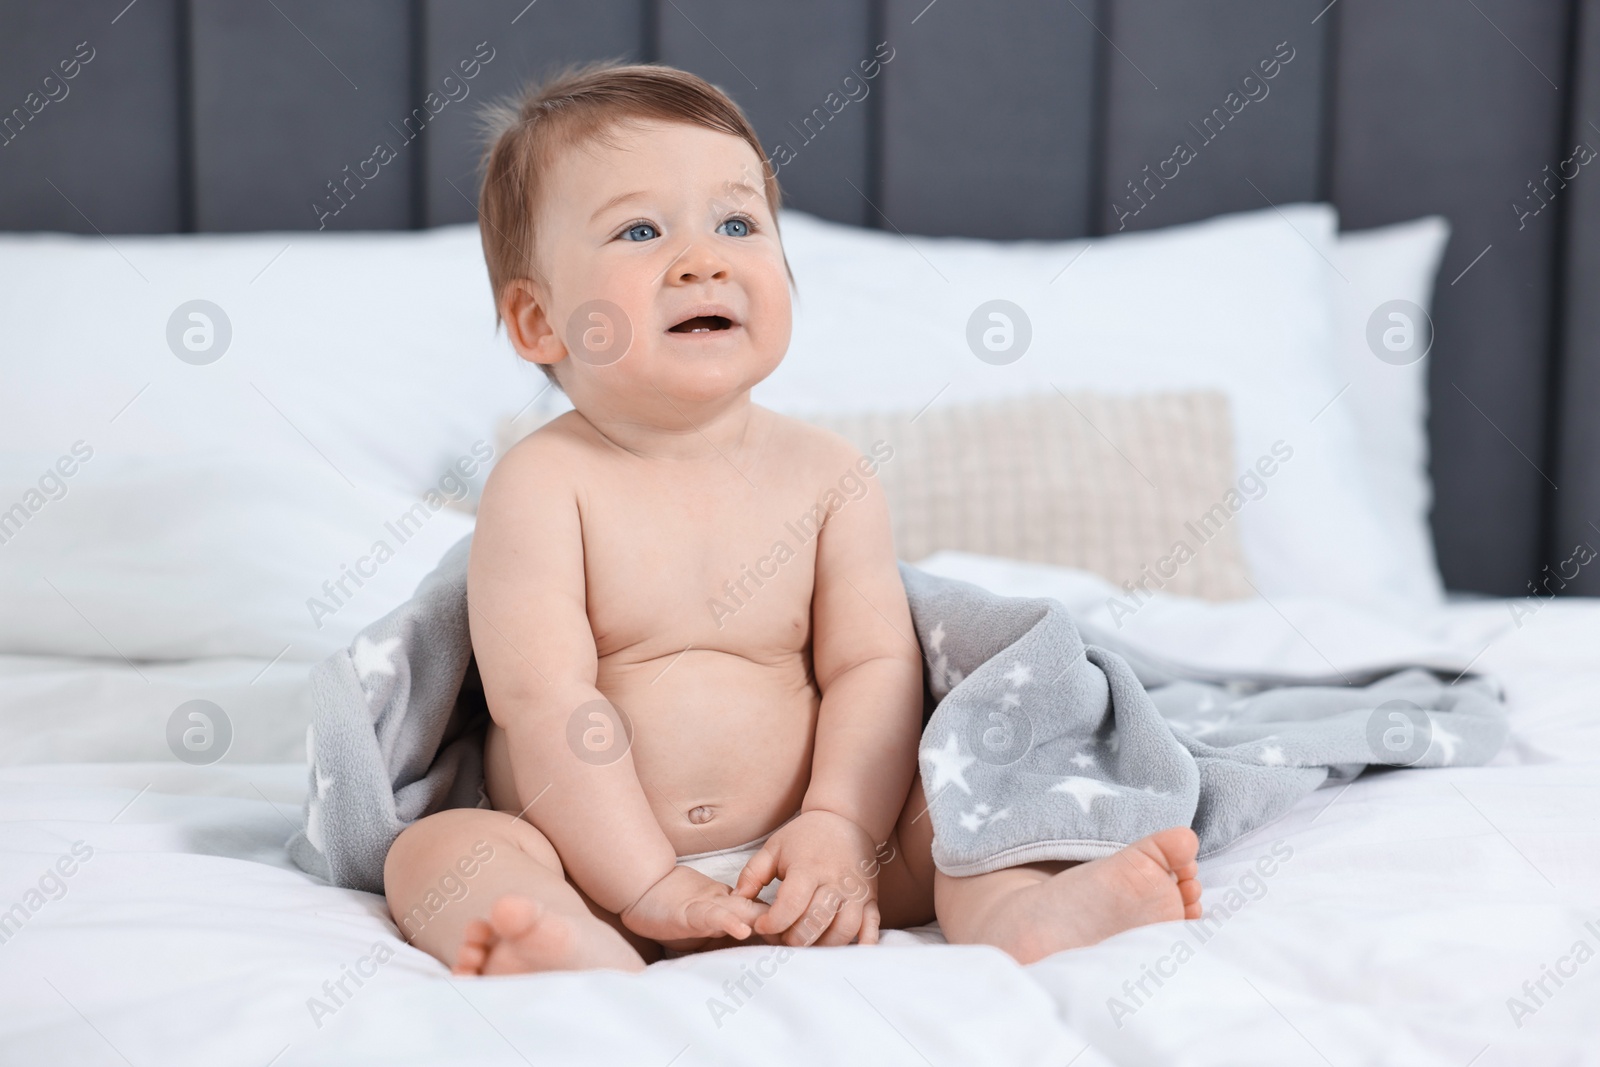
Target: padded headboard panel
(1024,119)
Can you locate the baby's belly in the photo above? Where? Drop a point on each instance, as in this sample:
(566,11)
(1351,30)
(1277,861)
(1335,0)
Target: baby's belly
(722,744)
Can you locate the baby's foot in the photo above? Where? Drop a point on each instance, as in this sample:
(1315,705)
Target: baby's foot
(1152,880)
(523,935)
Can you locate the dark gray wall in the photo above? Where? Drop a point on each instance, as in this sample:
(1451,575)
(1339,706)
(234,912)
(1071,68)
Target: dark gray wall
(110,152)
(1041,118)
(1574,450)
(289,98)
(1179,73)
(989,119)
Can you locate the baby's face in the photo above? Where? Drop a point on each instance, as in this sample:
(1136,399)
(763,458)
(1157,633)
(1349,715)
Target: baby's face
(667,230)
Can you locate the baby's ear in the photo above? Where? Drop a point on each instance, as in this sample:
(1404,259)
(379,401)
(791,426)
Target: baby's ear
(522,309)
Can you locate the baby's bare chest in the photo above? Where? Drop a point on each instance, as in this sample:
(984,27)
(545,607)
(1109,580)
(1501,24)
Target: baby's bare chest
(674,562)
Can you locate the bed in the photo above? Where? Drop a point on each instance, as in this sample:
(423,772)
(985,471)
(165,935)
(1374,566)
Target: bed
(1411,910)
(206,452)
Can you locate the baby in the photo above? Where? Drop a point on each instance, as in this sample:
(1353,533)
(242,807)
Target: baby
(669,774)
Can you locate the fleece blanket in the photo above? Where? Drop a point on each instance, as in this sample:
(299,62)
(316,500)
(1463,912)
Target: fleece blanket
(1037,744)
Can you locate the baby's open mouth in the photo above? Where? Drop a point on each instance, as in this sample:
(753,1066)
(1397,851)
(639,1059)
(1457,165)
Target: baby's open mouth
(702,324)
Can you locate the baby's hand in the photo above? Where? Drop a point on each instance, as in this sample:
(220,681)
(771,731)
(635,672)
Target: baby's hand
(823,860)
(686,904)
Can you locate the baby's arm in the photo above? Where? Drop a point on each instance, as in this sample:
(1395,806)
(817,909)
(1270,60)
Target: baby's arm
(869,669)
(536,654)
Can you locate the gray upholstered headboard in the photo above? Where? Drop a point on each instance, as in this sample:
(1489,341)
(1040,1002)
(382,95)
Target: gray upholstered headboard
(996,119)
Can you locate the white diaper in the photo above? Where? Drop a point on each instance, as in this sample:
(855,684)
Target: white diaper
(725,864)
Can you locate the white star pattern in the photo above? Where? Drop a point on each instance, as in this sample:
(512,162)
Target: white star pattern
(944,677)
(979,816)
(1443,739)
(948,764)
(1019,675)
(1083,790)
(1083,760)
(1203,727)
(370,658)
(1271,755)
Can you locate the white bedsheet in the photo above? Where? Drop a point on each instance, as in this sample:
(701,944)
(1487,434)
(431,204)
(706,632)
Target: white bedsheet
(1412,905)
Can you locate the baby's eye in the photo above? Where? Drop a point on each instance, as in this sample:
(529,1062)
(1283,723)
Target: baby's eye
(640,231)
(735,227)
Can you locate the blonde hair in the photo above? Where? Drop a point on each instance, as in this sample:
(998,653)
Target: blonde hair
(576,106)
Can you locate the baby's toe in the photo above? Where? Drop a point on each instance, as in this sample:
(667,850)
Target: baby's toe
(474,951)
(1178,846)
(514,917)
(1189,890)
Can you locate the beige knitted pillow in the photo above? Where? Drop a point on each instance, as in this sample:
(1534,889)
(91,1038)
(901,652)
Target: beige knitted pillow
(1125,486)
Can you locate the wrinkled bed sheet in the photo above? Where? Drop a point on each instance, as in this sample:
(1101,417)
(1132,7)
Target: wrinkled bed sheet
(1421,917)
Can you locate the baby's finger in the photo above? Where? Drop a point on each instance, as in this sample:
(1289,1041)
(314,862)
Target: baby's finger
(845,925)
(733,925)
(712,917)
(825,904)
(762,868)
(794,893)
(870,920)
(745,911)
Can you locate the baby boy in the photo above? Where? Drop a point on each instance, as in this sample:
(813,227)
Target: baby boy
(667,778)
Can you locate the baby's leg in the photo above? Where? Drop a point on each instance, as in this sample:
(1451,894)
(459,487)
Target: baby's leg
(1037,909)
(515,911)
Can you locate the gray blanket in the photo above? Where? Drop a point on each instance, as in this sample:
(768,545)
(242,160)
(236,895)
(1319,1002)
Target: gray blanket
(1039,745)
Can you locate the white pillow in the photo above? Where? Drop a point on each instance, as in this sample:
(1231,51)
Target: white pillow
(359,371)
(219,497)
(224,554)
(1240,304)
(376,350)
(1388,396)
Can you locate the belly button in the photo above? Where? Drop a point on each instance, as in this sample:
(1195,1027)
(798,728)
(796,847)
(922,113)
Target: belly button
(702,814)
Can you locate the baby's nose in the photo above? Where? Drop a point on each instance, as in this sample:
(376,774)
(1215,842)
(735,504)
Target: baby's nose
(698,263)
